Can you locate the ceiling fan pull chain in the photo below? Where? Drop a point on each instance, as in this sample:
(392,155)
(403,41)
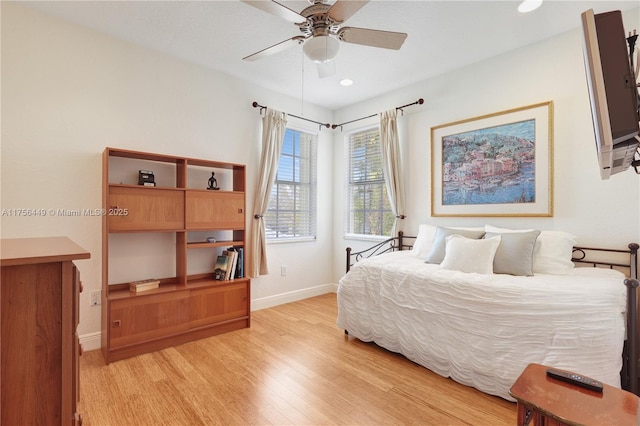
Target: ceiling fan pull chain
(302,85)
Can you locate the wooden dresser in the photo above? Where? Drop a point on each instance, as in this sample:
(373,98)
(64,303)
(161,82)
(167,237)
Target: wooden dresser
(39,348)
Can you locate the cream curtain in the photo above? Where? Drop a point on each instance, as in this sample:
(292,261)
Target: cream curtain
(391,165)
(274,124)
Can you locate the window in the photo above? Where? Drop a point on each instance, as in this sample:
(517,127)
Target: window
(369,211)
(292,205)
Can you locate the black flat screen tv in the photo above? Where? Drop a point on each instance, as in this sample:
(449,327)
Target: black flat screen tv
(612,91)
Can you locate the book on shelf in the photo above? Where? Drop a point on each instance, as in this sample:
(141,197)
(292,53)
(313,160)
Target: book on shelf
(234,269)
(238,263)
(233,259)
(222,264)
(240,266)
(144,285)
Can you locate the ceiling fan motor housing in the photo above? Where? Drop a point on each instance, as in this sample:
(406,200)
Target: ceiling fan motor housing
(318,22)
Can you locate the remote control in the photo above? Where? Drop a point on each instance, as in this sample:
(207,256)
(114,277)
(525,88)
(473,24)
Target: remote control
(576,379)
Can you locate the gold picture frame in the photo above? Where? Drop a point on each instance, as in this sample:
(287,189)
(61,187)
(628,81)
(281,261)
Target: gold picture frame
(498,164)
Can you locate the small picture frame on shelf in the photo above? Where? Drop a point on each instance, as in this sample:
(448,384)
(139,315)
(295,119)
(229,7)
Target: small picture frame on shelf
(146,178)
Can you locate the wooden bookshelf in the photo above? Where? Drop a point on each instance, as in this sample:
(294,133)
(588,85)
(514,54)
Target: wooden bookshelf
(186,306)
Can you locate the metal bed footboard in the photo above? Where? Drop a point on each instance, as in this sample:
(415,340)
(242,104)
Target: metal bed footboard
(629,373)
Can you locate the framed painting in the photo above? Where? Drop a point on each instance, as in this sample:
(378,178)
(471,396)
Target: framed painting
(498,164)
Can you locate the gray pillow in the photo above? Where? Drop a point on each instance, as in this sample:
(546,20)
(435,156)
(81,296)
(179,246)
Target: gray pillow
(515,252)
(440,241)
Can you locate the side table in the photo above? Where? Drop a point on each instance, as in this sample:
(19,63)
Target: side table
(551,402)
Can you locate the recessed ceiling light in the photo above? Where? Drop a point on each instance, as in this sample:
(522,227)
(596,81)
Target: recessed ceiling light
(346,82)
(529,5)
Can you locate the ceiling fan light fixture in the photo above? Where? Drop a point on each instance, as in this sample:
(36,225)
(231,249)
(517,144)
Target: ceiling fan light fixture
(321,48)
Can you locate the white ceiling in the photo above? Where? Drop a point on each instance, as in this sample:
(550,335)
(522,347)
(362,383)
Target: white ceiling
(442,35)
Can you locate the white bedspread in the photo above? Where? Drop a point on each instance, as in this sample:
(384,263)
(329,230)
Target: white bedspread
(483,330)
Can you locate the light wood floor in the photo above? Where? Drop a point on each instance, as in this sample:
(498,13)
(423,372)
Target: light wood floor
(293,366)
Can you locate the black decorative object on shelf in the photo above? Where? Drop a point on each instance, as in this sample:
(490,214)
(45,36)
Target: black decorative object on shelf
(213,182)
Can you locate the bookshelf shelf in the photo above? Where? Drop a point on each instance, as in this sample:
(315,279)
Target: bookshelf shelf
(206,244)
(151,188)
(125,293)
(206,283)
(186,306)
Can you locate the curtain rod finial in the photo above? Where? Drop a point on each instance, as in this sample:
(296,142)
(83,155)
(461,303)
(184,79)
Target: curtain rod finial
(256,105)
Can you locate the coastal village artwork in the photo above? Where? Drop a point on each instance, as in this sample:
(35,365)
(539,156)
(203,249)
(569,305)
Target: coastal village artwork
(494,165)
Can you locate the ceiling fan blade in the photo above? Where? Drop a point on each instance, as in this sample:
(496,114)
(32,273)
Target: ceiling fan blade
(283,45)
(343,10)
(375,38)
(277,9)
(326,69)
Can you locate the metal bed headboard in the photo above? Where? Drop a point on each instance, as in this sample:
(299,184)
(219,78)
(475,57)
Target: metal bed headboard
(399,243)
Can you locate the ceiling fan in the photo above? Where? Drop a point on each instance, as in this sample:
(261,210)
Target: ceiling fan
(321,29)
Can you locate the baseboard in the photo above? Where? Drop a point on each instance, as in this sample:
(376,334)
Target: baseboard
(92,341)
(292,296)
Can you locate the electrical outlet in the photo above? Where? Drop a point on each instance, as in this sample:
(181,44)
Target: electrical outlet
(95,298)
(283,271)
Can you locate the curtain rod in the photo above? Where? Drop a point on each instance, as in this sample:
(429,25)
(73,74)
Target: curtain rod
(262,108)
(418,102)
(334,126)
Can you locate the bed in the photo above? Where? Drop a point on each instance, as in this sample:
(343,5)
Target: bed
(482,328)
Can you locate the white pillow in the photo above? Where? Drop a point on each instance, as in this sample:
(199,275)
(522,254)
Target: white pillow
(426,237)
(515,253)
(469,255)
(439,244)
(553,251)
(495,229)
(424,241)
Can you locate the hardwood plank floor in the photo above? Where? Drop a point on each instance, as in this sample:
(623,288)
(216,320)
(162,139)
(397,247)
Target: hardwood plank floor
(292,367)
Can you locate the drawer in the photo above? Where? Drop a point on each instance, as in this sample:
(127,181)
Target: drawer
(77,289)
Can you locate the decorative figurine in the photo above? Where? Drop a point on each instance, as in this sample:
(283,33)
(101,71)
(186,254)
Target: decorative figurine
(213,183)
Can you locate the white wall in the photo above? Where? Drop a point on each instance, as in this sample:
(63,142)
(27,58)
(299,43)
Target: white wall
(600,213)
(68,92)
